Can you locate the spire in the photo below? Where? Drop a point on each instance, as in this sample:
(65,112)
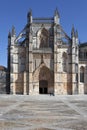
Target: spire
(29,13)
(29,16)
(9,34)
(73,31)
(76,34)
(77,40)
(9,38)
(56,17)
(56,13)
(13,31)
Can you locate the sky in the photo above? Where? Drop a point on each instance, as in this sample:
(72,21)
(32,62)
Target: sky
(14,12)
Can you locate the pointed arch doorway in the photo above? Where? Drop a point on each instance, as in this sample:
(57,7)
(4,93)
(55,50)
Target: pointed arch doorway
(45,80)
(43,87)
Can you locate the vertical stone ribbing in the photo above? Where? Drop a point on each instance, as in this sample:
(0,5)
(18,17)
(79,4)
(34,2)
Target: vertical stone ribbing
(74,83)
(25,83)
(26,73)
(56,63)
(55,69)
(77,62)
(12,64)
(30,61)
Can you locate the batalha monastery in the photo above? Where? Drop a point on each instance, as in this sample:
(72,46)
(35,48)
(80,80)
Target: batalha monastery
(43,59)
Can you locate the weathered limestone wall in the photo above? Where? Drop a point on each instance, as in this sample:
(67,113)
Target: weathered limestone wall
(47,59)
(17,83)
(2,80)
(82,86)
(64,86)
(63,80)
(17,63)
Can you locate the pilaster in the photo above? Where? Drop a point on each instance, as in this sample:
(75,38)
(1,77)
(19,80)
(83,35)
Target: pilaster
(74,82)
(30,62)
(25,83)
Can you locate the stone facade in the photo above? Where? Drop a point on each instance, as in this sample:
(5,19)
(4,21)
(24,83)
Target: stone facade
(43,59)
(3,72)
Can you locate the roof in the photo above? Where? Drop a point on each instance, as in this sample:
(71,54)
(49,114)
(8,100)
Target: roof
(2,68)
(83,44)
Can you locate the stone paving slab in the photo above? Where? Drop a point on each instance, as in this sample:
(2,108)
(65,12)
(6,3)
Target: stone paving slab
(43,112)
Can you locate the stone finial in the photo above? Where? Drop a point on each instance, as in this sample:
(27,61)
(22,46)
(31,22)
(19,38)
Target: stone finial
(56,13)
(73,31)
(13,31)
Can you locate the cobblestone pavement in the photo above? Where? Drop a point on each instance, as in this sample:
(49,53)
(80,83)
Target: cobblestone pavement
(43,112)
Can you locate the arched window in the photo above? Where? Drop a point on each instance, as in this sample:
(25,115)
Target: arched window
(64,62)
(82,74)
(76,69)
(44,38)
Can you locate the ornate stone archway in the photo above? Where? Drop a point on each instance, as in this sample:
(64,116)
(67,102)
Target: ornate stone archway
(43,80)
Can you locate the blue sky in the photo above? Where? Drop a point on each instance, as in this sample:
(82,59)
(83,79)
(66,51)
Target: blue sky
(14,12)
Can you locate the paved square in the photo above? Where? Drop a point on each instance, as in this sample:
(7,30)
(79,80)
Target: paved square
(43,112)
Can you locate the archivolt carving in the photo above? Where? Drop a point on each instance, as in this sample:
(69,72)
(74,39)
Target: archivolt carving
(43,72)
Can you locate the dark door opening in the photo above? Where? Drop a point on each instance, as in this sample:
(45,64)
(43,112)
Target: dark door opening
(43,87)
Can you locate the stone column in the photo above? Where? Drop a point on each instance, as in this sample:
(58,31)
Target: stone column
(25,83)
(55,68)
(26,73)
(74,83)
(30,62)
(14,89)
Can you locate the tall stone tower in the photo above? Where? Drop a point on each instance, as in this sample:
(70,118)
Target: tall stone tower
(74,36)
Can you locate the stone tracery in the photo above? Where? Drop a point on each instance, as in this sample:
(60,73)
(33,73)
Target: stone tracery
(43,38)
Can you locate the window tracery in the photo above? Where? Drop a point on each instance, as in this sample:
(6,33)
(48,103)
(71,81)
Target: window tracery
(43,38)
